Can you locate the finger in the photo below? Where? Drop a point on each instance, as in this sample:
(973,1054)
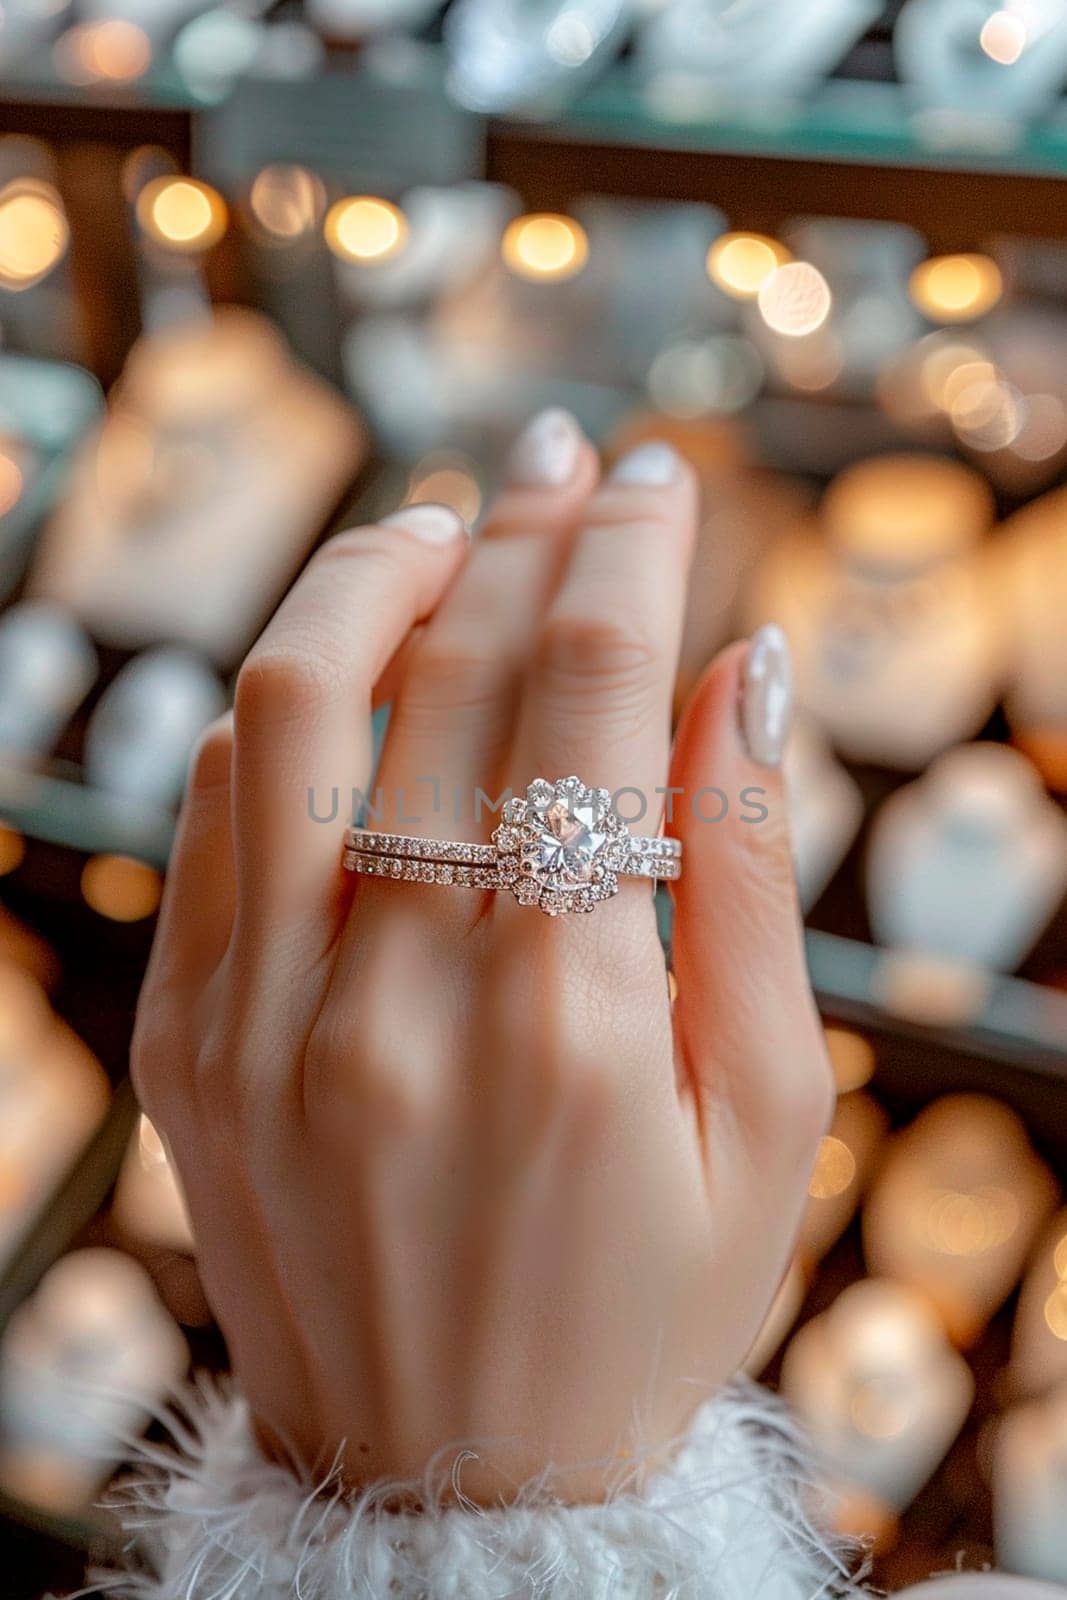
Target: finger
(454,716)
(746,1020)
(302,717)
(599,696)
(197,910)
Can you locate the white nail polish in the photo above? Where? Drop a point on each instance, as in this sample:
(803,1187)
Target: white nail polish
(545,455)
(653,465)
(767,696)
(432,524)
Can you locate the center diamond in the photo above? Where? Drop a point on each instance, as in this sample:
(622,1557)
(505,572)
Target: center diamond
(571,838)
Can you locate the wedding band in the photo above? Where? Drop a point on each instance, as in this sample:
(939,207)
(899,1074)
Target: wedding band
(562,847)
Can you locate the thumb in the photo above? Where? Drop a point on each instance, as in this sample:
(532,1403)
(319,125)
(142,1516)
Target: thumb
(748,1030)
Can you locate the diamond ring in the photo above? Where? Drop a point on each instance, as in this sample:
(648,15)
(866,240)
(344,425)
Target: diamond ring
(562,847)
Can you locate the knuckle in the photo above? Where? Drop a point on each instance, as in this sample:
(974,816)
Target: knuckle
(450,671)
(601,647)
(282,683)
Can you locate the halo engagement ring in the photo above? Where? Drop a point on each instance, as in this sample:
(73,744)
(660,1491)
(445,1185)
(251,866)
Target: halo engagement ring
(563,847)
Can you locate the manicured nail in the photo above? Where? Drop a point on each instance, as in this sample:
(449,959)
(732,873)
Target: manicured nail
(432,524)
(545,455)
(767,695)
(652,465)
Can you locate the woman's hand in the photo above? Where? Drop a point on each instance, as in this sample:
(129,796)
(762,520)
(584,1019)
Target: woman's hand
(458,1175)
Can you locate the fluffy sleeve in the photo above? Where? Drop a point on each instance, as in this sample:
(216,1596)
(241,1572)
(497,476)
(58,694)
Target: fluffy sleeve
(214,1520)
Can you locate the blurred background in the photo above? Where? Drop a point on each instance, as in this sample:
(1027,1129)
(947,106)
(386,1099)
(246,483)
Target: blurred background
(271,266)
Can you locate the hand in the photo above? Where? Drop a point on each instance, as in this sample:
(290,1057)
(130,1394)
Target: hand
(457,1175)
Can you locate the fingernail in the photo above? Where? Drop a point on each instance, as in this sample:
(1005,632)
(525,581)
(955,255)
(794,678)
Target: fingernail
(767,695)
(654,465)
(545,455)
(432,524)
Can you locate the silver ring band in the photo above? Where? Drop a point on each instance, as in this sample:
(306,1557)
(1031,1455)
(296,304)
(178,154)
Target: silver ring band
(562,847)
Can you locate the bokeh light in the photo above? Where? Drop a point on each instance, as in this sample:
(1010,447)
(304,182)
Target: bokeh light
(956,288)
(545,247)
(1003,37)
(182,214)
(445,478)
(33,233)
(795,300)
(851,1057)
(740,263)
(121,888)
(110,51)
(364,229)
(287,201)
(835,1168)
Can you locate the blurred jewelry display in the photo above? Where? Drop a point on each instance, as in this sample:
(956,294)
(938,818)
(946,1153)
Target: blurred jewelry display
(510,54)
(896,638)
(1035,571)
(141,734)
(1039,1329)
(968,863)
(882,1393)
(53,1096)
(956,1208)
(825,810)
(47,667)
(1030,1487)
(218,458)
(83,1364)
(701,56)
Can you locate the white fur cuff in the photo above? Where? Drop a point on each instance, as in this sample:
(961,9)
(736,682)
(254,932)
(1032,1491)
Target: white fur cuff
(723,1522)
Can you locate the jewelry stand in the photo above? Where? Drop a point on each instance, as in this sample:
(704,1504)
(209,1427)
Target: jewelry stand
(1030,1488)
(1039,1332)
(53,1097)
(141,735)
(825,810)
(1034,567)
(893,621)
(882,1394)
(47,667)
(219,460)
(83,1364)
(956,1208)
(969,863)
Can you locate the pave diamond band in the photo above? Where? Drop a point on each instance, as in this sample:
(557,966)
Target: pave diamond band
(561,847)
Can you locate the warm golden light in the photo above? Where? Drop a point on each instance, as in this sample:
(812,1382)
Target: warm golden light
(287,201)
(33,233)
(120,888)
(1003,38)
(182,214)
(740,263)
(12,849)
(545,247)
(10,483)
(366,230)
(446,480)
(835,1168)
(851,1057)
(795,300)
(988,414)
(1059,1258)
(111,51)
(966,1223)
(956,288)
(1056,1312)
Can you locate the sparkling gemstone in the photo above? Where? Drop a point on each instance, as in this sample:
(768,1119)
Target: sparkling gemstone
(570,840)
